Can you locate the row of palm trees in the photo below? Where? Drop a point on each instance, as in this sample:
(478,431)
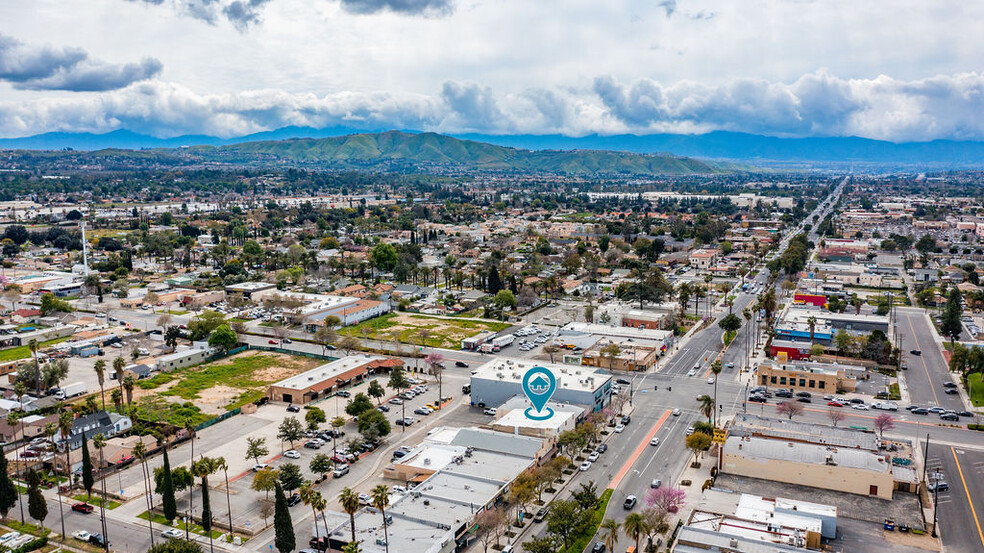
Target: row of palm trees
(350,504)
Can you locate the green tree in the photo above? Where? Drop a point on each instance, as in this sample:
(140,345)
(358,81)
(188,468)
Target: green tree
(635,527)
(543,544)
(50,304)
(505,299)
(100,368)
(567,521)
(87,478)
(376,391)
(730,323)
(373,425)
(610,531)
(380,500)
(202,326)
(697,442)
(223,337)
(350,504)
(314,417)
(321,464)
(37,507)
(256,448)
(8,492)
(290,430)
(283,527)
(398,381)
(383,256)
(166,490)
(176,546)
(358,405)
(265,480)
(351,547)
(951,326)
(290,477)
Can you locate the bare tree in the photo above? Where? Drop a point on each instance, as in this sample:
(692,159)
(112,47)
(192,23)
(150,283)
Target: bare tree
(789,409)
(835,414)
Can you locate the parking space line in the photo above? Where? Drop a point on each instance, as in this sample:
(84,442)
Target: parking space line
(635,454)
(967,492)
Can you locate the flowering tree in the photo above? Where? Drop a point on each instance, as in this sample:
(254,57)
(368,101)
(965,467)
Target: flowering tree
(884,422)
(667,499)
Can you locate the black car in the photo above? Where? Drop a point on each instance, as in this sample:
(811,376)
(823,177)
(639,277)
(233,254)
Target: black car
(626,419)
(951,391)
(784,393)
(622,381)
(383,408)
(949,417)
(804,394)
(756,399)
(804,400)
(294,499)
(920,411)
(949,384)
(602,448)
(97,539)
(343,393)
(293,409)
(965,414)
(461,364)
(915,352)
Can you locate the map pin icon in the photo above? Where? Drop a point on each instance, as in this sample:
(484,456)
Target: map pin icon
(539,385)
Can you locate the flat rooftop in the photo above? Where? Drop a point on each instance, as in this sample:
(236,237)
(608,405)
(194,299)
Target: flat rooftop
(822,434)
(622,331)
(512,414)
(326,372)
(806,453)
(692,539)
(572,377)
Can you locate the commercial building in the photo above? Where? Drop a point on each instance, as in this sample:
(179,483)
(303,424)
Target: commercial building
(460,472)
(794,351)
(325,380)
(703,259)
(497,381)
(694,539)
(791,530)
(247,289)
(631,356)
(810,377)
(574,332)
(312,309)
(511,418)
(198,353)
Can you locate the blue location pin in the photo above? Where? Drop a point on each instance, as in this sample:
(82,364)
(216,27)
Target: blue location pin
(539,385)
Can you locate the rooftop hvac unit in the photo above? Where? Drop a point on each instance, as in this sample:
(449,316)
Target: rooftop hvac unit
(427,461)
(500,375)
(734,543)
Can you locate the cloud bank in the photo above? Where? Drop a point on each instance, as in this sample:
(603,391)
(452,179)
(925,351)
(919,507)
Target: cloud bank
(816,104)
(68,68)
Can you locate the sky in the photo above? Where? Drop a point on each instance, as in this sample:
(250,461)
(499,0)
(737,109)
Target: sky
(901,71)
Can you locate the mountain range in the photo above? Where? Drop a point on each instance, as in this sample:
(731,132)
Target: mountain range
(718,145)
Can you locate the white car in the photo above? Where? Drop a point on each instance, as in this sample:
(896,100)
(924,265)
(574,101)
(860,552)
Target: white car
(859,407)
(585,466)
(14,535)
(259,466)
(619,429)
(291,454)
(594,456)
(654,441)
(396,401)
(365,499)
(692,372)
(710,380)
(78,534)
(172,533)
(490,411)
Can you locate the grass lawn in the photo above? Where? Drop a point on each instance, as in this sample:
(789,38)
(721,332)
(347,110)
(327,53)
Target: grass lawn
(976,389)
(581,543)
(27,528)
(236,372)
(729,336)
(23,352)
(176,312)
(95,501)
(443,332)
(193,528)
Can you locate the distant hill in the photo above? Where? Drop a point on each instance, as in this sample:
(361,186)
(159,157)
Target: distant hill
(395,149)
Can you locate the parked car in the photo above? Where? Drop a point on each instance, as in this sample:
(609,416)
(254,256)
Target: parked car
(594,456)
(259,466)
(78,534)
(585,466)
(97,539)
(294,499)
(490,411)
(541,514)
(343,393)
(630,502)
(292,454)
(952,417)
(340,471)
(951,391)
(940,486)
(622,381)
(619,428)
(422,411)
(293,409)
(690,430)
(82,508)
(602,448)
(396,401)
(915,352)
(274,342)
(804,394)
(598,547)
(172,533)
(920,411)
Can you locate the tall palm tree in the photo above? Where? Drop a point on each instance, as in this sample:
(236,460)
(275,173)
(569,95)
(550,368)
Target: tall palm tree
(140,452)
(190,429)
(221,464)
(65,423)
(128,384)
(350,504)
(716,369)
(611,529)
(33,346)
(13,418)
(317,502)
(99,442)
(812,323)
(100,368)
(380,500)
(202,469)
(320,504)
(635,527)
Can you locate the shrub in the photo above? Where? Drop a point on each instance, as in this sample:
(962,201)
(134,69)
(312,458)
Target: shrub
(37,543)
(707,484)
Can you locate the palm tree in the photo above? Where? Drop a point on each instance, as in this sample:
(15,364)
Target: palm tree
(350,504)
(716,368)
(140,452)
(100,368)
(99,442)
(635,527)
(128,384)
(320,504)
(65,423)
(812,323)
(611,530)
(221,464)
(190,429)
(706,406)
(380,500)
(13,418)
(202,469)
(116,397)
(33,346)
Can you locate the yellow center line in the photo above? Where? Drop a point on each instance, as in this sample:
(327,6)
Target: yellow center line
(932,387)
(966,491)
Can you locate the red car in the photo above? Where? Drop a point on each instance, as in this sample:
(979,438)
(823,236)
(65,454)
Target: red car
(82,508)
(274,342)
(835,403)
